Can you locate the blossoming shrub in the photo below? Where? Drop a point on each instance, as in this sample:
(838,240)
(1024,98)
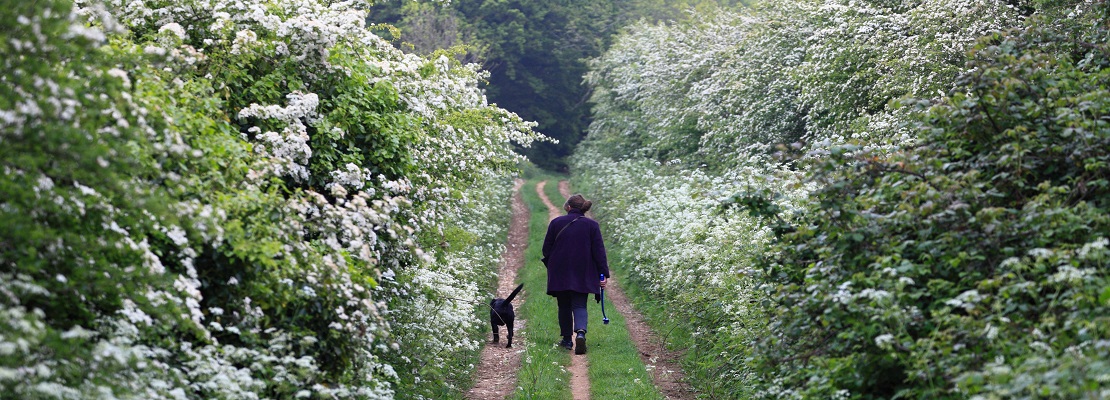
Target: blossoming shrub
(683,247)
(679,91)
(723,86)
(209,199)
(957,252)
(973,266)
(861,55)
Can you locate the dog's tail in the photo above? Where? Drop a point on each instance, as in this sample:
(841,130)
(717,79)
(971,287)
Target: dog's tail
(515,291)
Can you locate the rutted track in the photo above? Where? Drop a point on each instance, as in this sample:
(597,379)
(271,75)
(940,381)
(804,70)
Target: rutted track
(496,374)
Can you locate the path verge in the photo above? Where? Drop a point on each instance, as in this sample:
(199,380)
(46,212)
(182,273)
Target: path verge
(495,377)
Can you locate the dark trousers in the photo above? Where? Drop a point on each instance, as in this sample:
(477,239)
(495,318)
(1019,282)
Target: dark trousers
(572,312)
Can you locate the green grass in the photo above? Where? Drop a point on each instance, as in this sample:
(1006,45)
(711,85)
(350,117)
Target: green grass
(552,192)
(615,369)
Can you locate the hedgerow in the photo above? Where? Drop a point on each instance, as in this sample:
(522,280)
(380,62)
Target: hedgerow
(972,265)
(912,193)
(235,199)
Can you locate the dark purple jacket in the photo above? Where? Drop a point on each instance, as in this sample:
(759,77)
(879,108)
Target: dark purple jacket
(576,261)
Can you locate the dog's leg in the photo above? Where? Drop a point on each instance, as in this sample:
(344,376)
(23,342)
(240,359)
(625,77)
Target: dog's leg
(497,339)
(509,327)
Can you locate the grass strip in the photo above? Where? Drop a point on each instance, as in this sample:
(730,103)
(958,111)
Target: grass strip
(616,371)
(552,192)
(542,374)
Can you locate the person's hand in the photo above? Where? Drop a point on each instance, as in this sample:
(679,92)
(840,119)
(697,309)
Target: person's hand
(603,283)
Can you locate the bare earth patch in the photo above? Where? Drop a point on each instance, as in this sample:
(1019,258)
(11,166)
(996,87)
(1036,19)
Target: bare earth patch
(496,374)
(579,367)
(663,364)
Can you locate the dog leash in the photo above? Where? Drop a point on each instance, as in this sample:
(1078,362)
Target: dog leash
(604,318)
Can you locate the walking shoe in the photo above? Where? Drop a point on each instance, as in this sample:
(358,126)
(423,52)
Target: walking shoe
(566,343)
(580,342)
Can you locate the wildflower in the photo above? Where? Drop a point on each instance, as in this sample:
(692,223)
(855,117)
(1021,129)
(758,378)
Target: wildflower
(884,341)
(173,28)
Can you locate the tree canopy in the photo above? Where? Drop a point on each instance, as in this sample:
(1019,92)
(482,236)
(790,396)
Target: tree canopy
(535,52)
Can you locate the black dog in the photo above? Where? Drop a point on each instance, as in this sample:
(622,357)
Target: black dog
(501,313)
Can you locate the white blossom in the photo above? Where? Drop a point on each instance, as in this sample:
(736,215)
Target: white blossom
(173,28)
(884,341)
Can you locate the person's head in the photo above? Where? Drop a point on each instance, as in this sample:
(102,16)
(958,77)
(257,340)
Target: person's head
(577,202)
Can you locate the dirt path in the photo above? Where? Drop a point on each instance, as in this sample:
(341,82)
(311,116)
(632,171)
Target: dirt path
(496,373)
(579,367)
(662,363)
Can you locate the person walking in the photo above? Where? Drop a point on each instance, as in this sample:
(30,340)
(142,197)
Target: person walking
(574,255)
